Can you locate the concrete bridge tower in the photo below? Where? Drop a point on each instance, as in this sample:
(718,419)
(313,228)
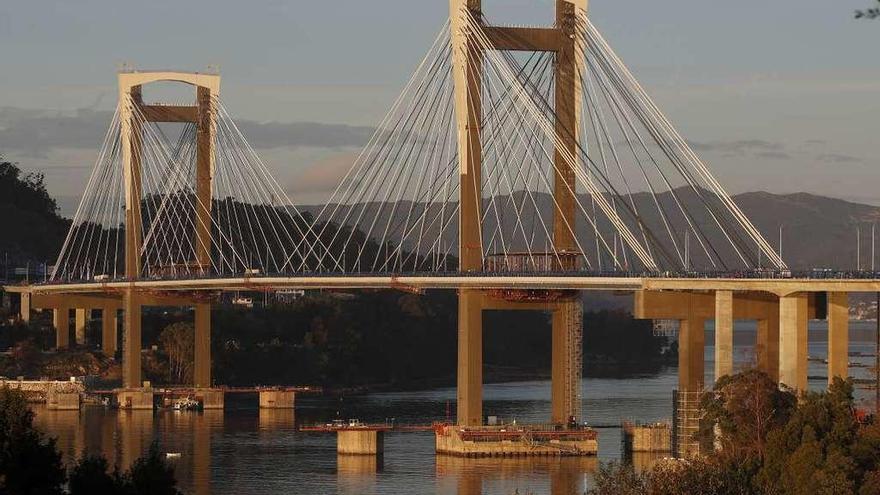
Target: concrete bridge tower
(467,66)
(133,113)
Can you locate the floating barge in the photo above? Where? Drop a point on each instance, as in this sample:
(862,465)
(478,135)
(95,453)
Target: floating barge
(515,440)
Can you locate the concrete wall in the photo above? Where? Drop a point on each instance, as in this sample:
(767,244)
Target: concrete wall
(360,442)
(647,438)
(135,399)
(277,399)
(448,441)
(62,401)
(210,398)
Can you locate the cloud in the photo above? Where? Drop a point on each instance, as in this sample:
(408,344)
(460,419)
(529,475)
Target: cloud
(323,175)
(773,155)
(738,147)
(275,134)
(838,158)
(35,133)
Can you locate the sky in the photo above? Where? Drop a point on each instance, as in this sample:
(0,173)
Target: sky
(779,96)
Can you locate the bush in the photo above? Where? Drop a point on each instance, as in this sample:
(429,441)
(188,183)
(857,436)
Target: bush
(29,463)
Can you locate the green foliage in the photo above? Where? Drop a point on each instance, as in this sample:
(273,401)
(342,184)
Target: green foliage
(745,407)
(151,475)
(27,210)
(618,479)
(29,463)
(90,476)
(716,476)
(822,449)
(770,444)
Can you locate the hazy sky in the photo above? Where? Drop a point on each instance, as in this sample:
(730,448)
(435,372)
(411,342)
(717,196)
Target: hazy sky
(777,95)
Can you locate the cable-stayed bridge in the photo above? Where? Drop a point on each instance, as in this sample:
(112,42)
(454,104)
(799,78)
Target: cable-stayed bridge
(518,166)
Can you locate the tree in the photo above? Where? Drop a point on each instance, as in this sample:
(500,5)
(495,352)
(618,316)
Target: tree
(870,13)
(745,407)
(178,342)
(619,479)
(90,476)
(151,475)
(822,448)
(28,211)
(29,463)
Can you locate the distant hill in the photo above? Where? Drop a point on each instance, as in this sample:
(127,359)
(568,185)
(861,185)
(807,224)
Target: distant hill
(818,231)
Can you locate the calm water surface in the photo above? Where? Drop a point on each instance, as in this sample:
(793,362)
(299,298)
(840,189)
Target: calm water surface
(249,451)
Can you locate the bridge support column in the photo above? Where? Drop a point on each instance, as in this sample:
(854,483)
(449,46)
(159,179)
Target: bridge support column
(838,335)
(767,345)
(202,358)
(691,367)
(793,341)
(81,321)
(131,340)
(691,361)
(25,308)
(61,320)
(723,333)
(108,331)
(470,358)
(566,361)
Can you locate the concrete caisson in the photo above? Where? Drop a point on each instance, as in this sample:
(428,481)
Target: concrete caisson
(360,442)
(277,399)
(62,400)
(134,399)
(656,437)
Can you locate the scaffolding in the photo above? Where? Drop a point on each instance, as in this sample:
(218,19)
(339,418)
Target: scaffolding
(686,416)
(573,319)
(665,328)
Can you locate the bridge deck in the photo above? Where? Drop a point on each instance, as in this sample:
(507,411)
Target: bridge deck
(780,286)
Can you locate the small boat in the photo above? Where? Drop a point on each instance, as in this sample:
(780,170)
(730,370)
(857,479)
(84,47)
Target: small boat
(172,455)
(186,404)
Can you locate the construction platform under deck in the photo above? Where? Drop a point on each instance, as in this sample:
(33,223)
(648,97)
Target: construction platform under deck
(515,440)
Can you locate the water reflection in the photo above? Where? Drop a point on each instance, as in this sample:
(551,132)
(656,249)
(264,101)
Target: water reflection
(644,461)
(357,474)
(247,450)
(554,475)
(277,419)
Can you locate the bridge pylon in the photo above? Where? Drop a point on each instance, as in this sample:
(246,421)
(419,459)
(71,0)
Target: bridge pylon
(467,67)
(133,114)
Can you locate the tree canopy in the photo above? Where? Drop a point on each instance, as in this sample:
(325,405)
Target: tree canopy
(30,214)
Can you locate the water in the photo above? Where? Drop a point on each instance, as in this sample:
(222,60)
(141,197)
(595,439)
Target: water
(250,451)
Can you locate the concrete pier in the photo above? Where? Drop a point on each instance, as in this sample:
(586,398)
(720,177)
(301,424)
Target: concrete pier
(655,437)
(109,320)
(82,321)
(62,400)
(134,398)
(61,321)
(277,399)
(360,441)
(838,335)
(210,398)
(512,440)
(723,333)
(793,341)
